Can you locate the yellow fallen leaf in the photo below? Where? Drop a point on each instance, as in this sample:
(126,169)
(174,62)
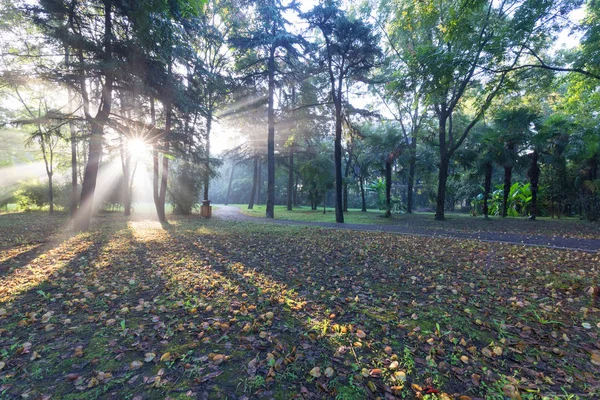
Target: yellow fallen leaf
(135,364)
(596,358)
(218,358)
(2,365)
(372,386)
(498,350)
(329,372)
(393,365)
(269,315)
(149,357)
(315,372)
(464,359)
(360,334)
(165,357)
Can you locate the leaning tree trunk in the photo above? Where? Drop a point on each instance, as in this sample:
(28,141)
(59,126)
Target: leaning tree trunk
(290,189)
(270,212)
(507,182)
(487,187)
(388,187)
(534,178)
(254,184)
(90,177)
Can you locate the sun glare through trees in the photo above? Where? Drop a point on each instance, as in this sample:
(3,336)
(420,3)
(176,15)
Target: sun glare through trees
(280,199)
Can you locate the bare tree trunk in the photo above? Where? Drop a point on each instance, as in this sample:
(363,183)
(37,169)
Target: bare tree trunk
(229,185)
(73,139)
(507,183)
(487,187)
(443,169)
(411,182)
(339,206)
(362,194)
(207,166)
(90,177)
(534,177)
(254,184)
(290,189)
(259,181)
(388,187)
(270,212)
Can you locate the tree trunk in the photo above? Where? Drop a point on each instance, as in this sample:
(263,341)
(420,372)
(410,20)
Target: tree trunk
(270,212)
(290,190)
(507,182)
(259,182)
(50,194)
(254,184)
(388,187)
(346,173)
(73,138)
(443,169)
(441,195)
(229,185)
(90,177)
(339,207)
(534,177)
(296,191)
(362,194)
(411,183)
(207,165)
(487,186)
(162,216)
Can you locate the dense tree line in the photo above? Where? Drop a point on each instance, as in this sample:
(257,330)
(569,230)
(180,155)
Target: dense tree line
(399,105)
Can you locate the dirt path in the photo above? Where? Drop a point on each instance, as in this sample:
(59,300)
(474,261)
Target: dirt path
(232,213)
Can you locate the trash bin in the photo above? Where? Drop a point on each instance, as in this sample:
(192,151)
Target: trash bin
(206,209)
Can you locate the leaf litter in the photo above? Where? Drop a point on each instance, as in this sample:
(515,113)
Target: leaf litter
(229,310)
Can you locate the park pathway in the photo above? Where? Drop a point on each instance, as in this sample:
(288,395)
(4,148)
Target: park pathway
(231,213)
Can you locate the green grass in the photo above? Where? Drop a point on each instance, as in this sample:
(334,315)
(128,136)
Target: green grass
(353,216)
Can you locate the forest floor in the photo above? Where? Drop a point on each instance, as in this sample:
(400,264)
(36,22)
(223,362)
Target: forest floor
(200,308)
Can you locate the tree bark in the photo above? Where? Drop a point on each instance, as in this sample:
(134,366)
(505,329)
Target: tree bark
(411,183)
(290,190)
(443,169)
(507,183)
(270,212)
(388,187)
(73,139)
(254,184)
(346,173)
(229,185)
(487,187)
(339,206)
(259,182)
(534,178)
(90,177)
(362,194)
(88,187)
(207,165)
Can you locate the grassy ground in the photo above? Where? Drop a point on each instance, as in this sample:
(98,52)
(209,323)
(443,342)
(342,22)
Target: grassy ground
(565,227)
(212,309)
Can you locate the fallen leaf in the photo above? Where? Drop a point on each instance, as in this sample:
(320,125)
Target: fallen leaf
(135,364)
(329,372)
(360,334)
(315,372)
(149,357)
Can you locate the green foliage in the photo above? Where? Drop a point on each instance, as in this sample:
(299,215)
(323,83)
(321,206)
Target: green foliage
(185,187)
(34,195)
(519,199)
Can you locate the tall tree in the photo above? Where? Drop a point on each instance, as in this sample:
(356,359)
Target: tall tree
(349,51)
(465,46)
(267,40)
